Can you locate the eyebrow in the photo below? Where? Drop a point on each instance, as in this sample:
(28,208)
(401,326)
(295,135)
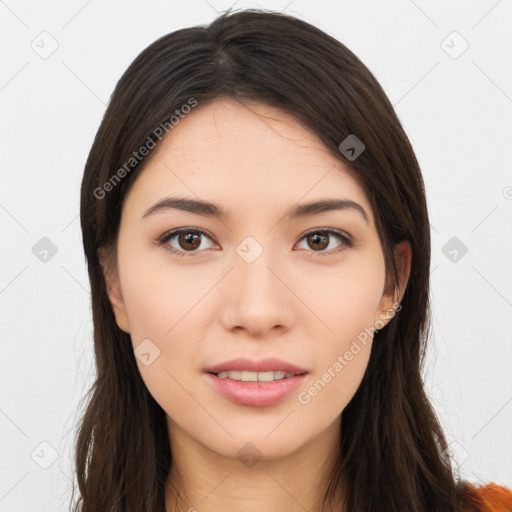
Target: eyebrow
(214,210)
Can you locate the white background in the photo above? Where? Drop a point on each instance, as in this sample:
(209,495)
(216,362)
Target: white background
(456,111)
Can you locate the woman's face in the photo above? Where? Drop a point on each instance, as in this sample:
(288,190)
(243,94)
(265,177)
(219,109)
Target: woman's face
(259,283)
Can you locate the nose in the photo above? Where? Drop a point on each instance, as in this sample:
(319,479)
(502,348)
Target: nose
(256,295)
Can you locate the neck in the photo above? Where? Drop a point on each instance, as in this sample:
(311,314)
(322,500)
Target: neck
(204,481)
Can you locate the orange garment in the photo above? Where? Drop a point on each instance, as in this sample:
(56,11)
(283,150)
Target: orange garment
(487,498)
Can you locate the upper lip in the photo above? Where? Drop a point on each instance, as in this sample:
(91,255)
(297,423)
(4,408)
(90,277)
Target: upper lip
(263,365)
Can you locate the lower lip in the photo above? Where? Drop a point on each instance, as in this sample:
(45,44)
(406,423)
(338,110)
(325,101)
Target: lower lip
(255,394)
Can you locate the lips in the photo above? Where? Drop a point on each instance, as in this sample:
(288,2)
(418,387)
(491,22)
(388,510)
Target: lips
(255,394)
(264,365)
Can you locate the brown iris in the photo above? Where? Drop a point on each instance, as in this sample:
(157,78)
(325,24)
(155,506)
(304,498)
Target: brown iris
(316,239)
(191,240)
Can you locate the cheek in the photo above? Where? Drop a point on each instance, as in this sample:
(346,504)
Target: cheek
(167,305)
(155,295)
(327,393)
(344,300)
(160,308)
(346,311)
(151,309)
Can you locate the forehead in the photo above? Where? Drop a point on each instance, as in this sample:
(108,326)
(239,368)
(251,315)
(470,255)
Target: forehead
(254,133)
(246,157)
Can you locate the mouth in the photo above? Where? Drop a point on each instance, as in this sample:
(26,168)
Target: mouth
(249,370)
(255,389)
(249,376)
(255,383)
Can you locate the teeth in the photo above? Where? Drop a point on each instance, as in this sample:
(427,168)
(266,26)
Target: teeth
(254,376)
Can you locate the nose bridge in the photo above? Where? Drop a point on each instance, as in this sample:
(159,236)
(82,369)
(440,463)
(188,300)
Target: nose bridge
(256,264)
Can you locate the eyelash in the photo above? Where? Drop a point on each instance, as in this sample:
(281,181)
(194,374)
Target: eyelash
(162,241)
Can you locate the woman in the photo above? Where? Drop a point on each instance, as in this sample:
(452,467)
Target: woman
(257,238)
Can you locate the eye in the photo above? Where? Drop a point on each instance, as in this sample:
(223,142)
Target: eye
(319,239)
(189,239)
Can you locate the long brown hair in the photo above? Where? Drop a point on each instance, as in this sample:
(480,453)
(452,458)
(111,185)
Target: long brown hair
(392,449)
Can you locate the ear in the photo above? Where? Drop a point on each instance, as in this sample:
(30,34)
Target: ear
(111,275)
(392,296)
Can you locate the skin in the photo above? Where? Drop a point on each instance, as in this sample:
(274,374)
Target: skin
(289,303)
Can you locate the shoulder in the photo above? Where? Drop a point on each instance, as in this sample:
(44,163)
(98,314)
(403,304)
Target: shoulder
(486,498)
